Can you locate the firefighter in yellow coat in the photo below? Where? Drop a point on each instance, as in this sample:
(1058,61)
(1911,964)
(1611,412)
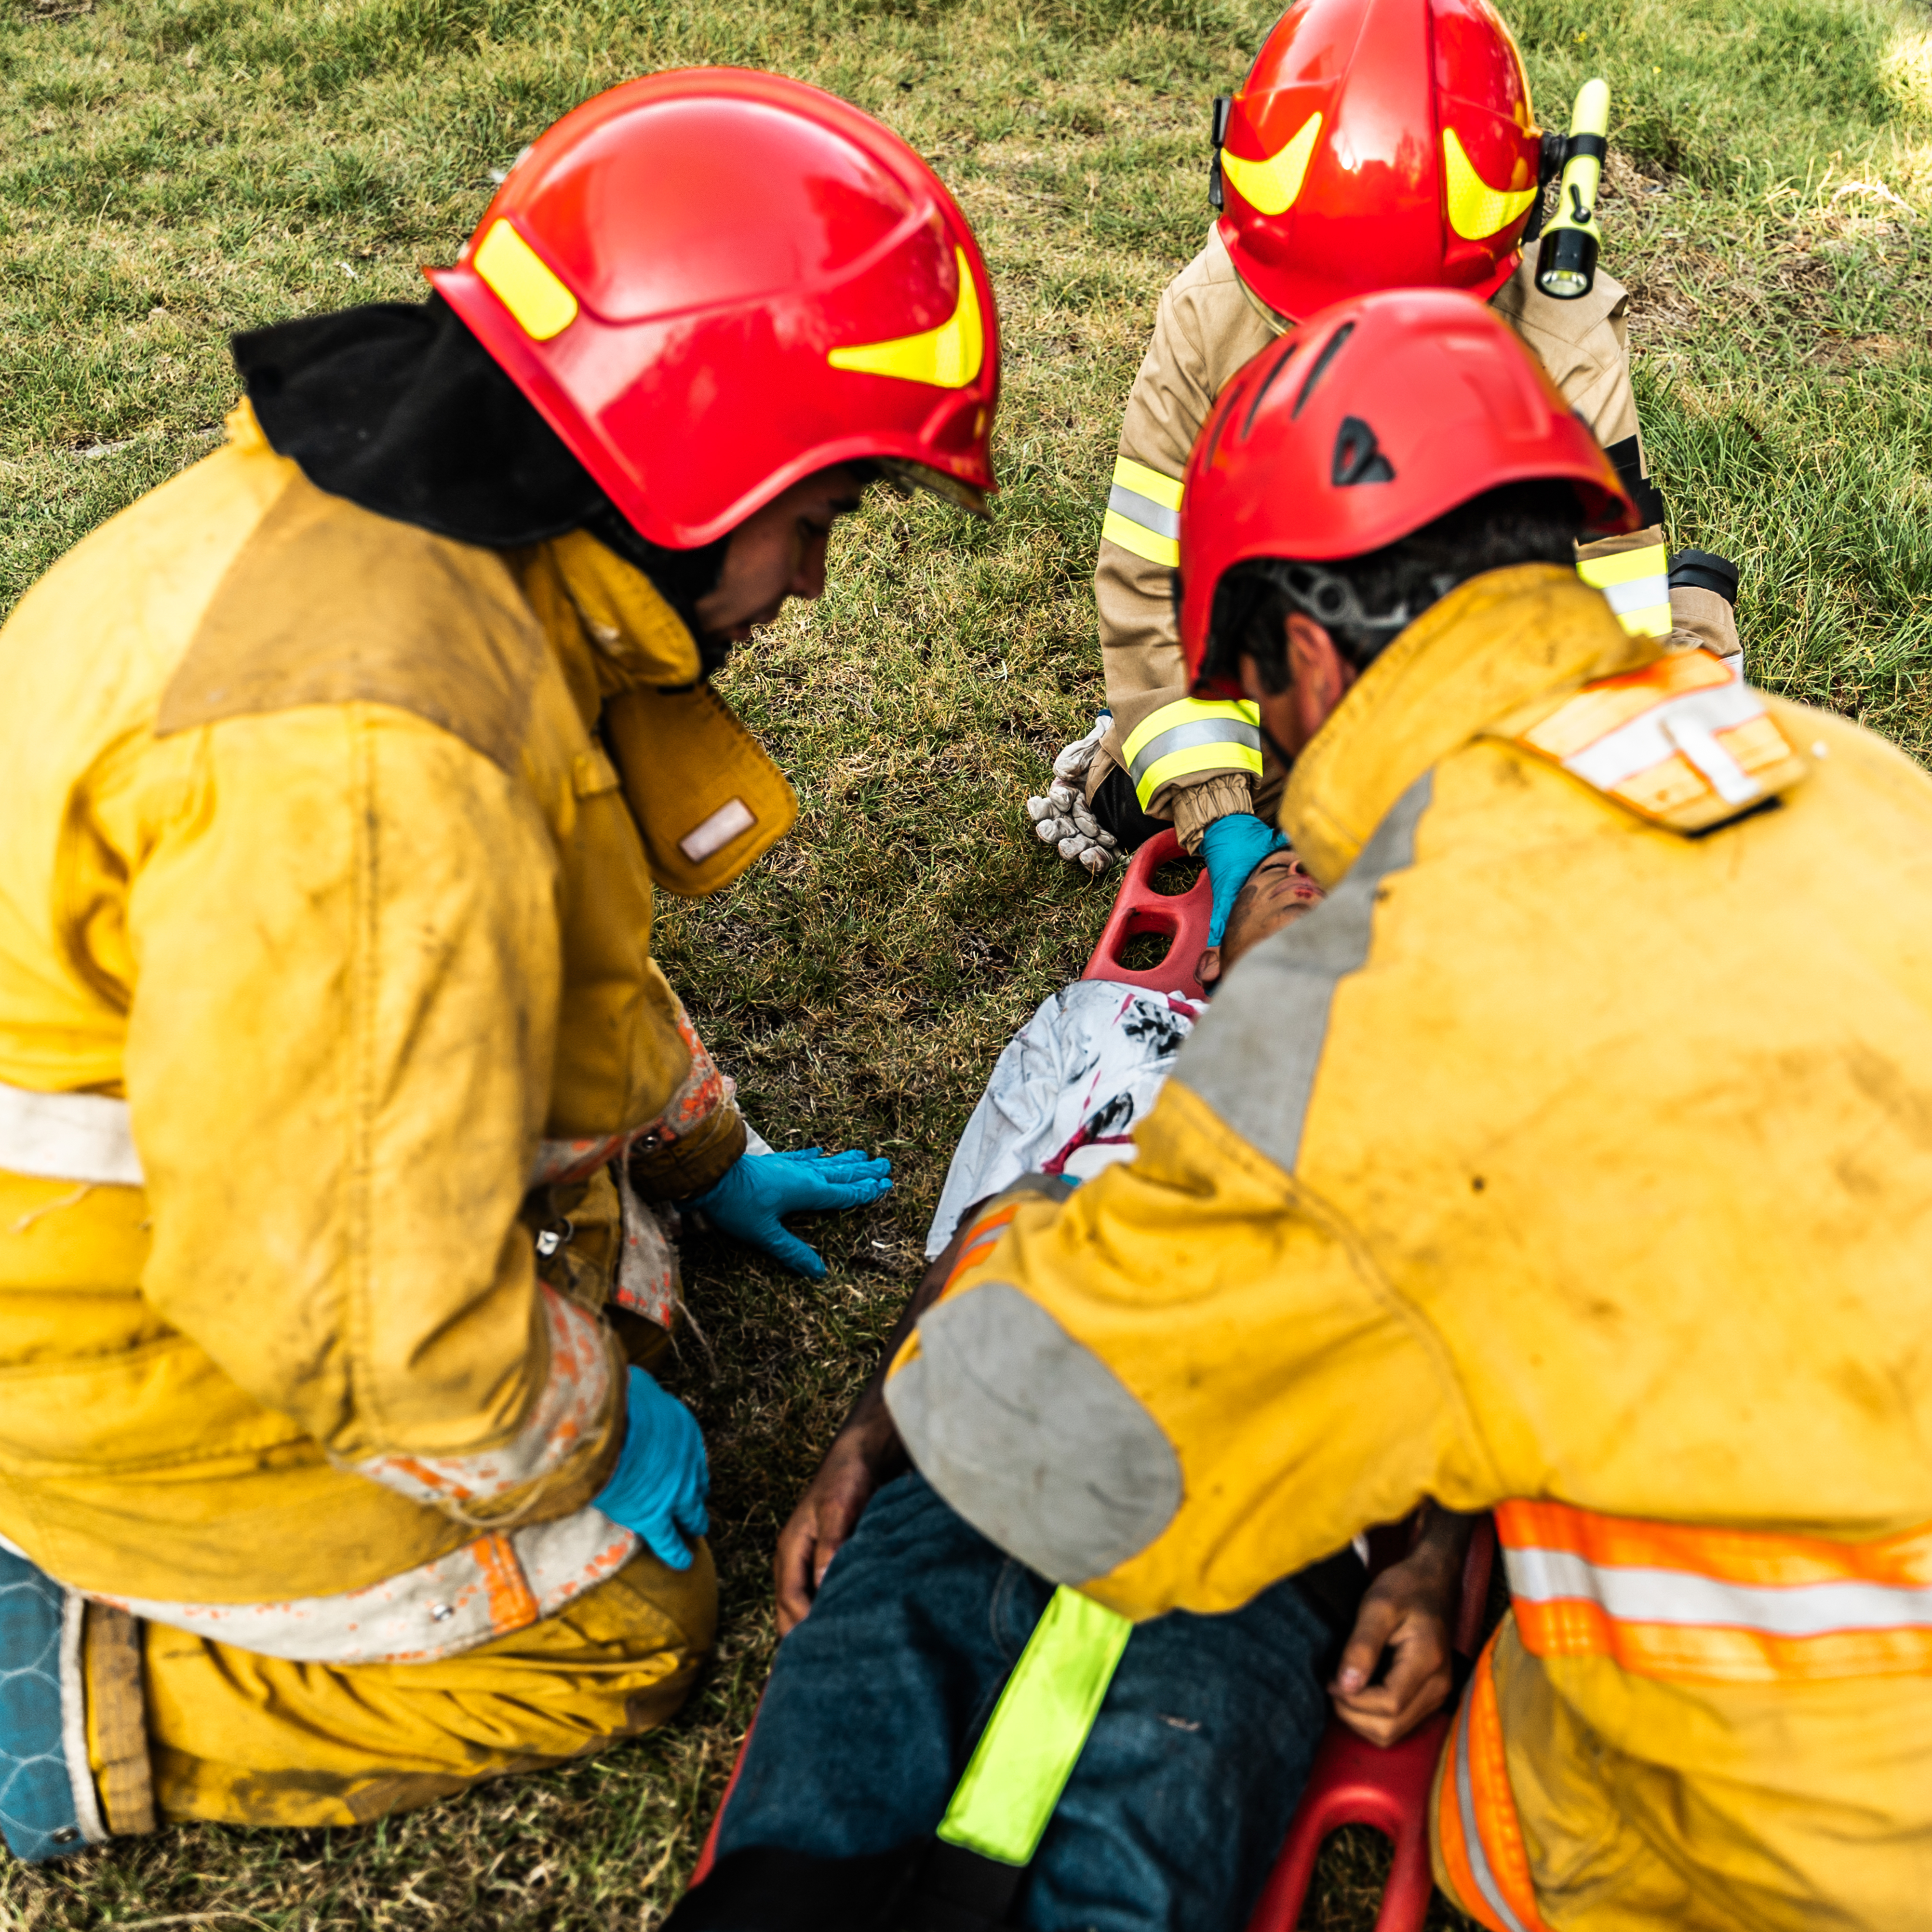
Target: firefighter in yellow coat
(1470,1187)
(336,1076)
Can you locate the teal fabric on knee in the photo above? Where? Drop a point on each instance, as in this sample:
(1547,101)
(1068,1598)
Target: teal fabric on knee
(38,1816)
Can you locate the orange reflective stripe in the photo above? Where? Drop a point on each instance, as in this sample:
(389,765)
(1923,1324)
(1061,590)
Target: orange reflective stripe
(984,1237)
(1719,1654)
(1714,1605)
(1493,1807)
(1450,1841)
(1733,1555)
(1477,1831)
(512,1606)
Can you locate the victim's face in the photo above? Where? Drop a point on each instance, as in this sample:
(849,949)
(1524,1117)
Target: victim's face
(1278,892)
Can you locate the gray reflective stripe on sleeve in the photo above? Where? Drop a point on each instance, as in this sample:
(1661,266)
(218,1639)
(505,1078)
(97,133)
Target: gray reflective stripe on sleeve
(1636,1595)
(1143,510)
(1032,1438)
(1253,1058)
(1185,737)
(1472,1835)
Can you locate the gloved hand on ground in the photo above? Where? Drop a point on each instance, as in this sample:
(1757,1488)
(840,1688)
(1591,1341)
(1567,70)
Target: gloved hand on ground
(757,1189)
(1061,818)
(658,1489)
(1233,846)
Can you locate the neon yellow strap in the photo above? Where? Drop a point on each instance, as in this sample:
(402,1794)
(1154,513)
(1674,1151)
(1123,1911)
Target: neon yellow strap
(1037,1731)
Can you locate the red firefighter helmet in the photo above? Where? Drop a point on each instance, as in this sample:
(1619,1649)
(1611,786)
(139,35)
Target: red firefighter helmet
(712,282)
(1370,420)
(1379,144)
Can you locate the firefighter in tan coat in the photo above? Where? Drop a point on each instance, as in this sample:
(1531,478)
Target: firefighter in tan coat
(1377,143)
(337,1078)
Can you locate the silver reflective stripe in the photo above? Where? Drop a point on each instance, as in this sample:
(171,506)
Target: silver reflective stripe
(67,1137)
(1032,1438)
(1143,510)
(73,1720)
(89,1137)
(1253,1058)
(1472,1835)
(1639,594)
(439,1609)
(1650,1596)
(1185,737)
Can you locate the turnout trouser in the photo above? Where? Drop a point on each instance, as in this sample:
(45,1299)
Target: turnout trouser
(245,1739)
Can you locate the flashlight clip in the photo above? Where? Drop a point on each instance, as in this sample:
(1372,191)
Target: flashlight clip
(1216,195)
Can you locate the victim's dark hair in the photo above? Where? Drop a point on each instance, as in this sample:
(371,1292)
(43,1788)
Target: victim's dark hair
(1365,601)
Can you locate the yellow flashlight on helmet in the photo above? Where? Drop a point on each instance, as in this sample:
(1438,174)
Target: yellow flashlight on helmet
(1566,264)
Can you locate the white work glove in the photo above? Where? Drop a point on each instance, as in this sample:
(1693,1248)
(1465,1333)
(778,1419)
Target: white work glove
(1061,818)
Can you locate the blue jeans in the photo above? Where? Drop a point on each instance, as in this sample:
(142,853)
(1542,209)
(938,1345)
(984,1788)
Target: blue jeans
(1178,1805)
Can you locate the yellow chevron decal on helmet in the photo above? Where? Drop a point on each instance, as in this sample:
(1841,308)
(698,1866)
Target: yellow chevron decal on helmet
(1270,186)
(1477,211)
(948,357)
(524,282)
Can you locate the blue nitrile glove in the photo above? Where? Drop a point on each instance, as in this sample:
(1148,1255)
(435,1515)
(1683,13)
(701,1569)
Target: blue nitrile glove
(1233,847)
(658,1489)
(757,1188)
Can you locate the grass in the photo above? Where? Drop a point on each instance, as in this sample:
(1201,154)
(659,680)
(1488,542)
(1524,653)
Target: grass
(173,170)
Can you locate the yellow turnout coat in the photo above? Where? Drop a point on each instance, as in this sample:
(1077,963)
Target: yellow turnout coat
(1573,1159)
(326,883)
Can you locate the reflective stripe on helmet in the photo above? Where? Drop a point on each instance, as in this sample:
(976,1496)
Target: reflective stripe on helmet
(1270,185)
(1144,513)
(1037,1731)
(1477,211)
(948,357)
(1637,583)
(524,284)
(1194,734)
(1717,1605)
(1476,1825)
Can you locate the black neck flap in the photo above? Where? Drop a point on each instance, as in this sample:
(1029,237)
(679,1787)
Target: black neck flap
(398,407)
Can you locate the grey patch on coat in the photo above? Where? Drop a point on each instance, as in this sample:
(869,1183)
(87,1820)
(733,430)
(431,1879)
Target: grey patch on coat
(1253,1059)
(1032,1438)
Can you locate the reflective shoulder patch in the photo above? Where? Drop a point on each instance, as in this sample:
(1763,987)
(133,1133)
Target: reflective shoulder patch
(1031,1437)
(1685,743)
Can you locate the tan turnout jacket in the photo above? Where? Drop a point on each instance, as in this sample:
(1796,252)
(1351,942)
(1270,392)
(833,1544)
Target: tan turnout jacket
(1207,326)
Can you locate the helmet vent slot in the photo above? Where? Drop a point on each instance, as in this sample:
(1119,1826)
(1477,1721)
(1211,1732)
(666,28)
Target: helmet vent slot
(1330,351)
(1358,457)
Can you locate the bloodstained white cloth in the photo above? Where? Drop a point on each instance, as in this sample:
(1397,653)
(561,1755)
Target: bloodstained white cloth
(1065,1095)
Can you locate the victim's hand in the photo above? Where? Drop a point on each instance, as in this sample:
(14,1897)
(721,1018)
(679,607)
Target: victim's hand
(860,1461)
(1405,1612)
